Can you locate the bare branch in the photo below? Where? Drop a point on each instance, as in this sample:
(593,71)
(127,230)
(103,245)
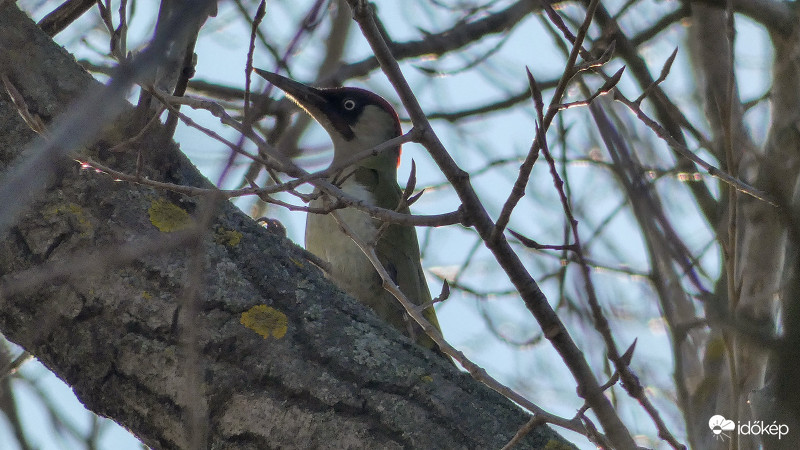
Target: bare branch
(66,13)
(685,152)
(554,330)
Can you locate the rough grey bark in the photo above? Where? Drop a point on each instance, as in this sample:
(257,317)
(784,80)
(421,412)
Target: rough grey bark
(115,307)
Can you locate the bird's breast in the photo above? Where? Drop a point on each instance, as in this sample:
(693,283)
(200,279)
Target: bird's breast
(349,267)
(325,238)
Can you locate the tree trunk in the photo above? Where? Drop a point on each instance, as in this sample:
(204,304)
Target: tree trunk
(188,323)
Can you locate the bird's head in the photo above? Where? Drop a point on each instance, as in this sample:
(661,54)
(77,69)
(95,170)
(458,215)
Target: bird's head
(355,119)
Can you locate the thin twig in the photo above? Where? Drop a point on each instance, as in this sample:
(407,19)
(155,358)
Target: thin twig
(518,191)
(684,151)
(387,215)
(12,366)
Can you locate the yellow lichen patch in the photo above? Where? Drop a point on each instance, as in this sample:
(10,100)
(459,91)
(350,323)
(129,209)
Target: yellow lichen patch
(76,212)
(231,238)
(426,379)
(265,320)
(146,295)
(168,217)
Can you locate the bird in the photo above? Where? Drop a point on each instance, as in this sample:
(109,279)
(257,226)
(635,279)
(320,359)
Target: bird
(357,120)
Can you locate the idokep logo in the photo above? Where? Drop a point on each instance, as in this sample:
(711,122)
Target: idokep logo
(719,425)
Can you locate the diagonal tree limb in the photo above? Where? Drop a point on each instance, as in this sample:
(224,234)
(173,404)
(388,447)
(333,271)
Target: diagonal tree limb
(555,331)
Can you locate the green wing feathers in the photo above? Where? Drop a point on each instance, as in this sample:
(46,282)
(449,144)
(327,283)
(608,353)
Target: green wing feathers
(398,247)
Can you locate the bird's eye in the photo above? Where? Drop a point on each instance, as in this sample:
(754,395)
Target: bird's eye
(349,104)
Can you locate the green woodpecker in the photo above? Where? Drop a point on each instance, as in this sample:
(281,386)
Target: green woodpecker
(357,120)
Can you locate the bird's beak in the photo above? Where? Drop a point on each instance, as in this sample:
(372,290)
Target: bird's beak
(306,97)
(313,101)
